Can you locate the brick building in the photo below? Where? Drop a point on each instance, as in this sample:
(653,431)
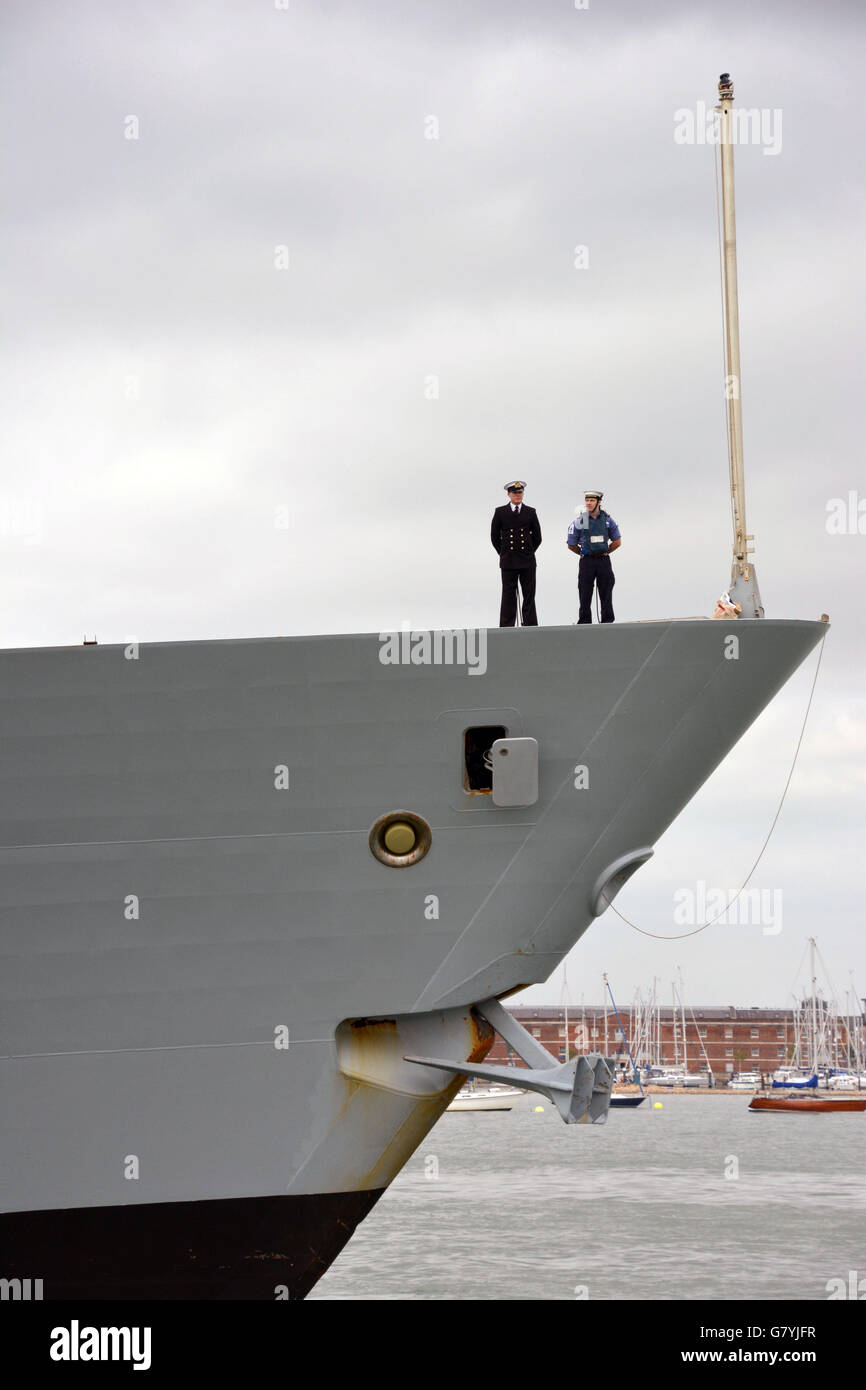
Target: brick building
(728,1039)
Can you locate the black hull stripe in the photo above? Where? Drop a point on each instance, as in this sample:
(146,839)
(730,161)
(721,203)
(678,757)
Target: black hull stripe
(253,1248)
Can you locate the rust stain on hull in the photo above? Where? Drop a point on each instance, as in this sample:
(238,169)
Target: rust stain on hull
(374,1044)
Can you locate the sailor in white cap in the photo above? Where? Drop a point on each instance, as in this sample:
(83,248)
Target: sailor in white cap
(593,535)
(516,535)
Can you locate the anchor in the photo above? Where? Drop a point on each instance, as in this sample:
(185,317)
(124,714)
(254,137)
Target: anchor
(579,1087)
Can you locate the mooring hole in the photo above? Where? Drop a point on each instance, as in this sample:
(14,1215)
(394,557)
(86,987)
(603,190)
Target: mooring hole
(477,758)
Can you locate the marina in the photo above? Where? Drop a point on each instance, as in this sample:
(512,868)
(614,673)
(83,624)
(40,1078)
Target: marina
(717,1043)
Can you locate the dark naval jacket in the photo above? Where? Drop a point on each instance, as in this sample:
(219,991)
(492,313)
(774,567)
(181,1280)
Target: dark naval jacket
(516,536)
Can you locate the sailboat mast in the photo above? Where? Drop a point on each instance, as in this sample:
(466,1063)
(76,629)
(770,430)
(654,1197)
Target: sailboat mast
(565,1004)
(814,1005)
(657,1025)
(744,587)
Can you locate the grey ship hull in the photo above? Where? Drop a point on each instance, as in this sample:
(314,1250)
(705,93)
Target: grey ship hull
(167,912)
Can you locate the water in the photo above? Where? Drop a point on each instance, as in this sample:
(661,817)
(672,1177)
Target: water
(525,1207)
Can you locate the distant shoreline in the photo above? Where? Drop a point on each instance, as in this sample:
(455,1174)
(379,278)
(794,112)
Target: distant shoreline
(685,1091)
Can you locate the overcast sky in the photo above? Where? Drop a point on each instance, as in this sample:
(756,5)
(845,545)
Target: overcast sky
(202,441)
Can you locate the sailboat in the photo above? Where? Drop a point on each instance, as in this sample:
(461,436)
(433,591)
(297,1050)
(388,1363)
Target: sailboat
(800,1095)
(475,1097)
(625,1102)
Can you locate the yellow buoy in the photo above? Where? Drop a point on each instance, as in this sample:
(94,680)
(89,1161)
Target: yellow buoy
(657,1105)
(539,1110)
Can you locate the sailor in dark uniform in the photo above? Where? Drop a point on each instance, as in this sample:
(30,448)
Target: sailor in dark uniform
(516,535)
(593,535)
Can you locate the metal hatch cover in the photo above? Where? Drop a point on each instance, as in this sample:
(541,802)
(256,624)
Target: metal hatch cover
(515,771)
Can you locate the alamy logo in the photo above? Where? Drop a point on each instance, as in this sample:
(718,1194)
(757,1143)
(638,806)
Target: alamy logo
(855,1287)
(76,1343)
(729,907)
(20,1290)
(846,516)
(452,647)
(749,125)
(21,521)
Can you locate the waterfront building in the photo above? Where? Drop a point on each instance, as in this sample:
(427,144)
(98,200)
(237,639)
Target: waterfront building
(726,1039)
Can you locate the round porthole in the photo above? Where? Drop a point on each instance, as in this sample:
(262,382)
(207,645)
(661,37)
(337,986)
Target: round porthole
(399,839)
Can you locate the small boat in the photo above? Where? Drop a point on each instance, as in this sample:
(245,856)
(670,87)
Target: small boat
(843,1081)
(745,1081)
(796,1102)
(678,1079)
(626,1102)
(485,1098)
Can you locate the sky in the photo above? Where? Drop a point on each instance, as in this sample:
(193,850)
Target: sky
(292,290)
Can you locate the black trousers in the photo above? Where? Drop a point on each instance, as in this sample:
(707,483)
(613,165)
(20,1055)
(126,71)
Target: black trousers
(508,607)
(595,569)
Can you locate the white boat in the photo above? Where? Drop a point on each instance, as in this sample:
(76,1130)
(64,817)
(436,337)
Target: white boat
(485,1098)
(677,1078)
(745,1081)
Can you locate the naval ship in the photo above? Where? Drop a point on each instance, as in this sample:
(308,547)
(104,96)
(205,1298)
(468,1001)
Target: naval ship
(260,901)
(243,880)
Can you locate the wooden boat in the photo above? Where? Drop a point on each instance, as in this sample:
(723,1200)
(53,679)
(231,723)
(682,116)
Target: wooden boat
(798,1102)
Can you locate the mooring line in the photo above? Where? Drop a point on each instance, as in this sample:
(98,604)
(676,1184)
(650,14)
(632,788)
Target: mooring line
(683,935)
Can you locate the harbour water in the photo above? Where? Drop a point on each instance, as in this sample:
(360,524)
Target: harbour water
(697,1200)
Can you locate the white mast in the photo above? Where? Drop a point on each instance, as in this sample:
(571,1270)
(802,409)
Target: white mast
(683,1016)
(565,1003)
(657,1026)
(814,1005)
(744,585)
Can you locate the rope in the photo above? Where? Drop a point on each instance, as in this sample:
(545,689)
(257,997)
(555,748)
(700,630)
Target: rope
(700,1039)
(796,980)
(683,935)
